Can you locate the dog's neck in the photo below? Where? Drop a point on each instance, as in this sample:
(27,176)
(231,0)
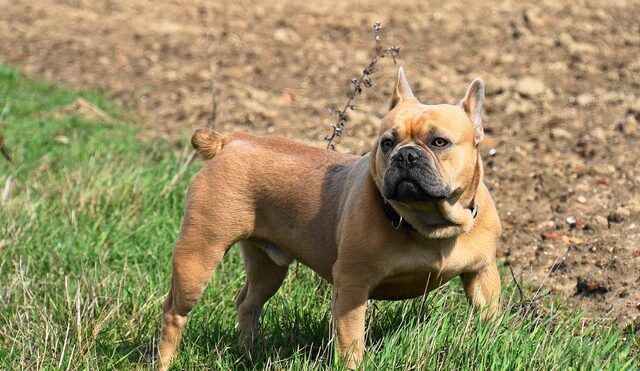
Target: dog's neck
(398,222)
(469,195)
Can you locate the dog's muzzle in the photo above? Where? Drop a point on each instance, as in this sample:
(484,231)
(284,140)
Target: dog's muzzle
(412,175)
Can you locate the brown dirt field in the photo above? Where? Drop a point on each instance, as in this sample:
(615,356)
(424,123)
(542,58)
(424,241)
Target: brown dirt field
(562,108)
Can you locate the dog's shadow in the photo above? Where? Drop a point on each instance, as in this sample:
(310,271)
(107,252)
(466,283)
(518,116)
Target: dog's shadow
(296,334)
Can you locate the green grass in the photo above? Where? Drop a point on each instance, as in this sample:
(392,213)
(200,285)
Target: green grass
(85,247)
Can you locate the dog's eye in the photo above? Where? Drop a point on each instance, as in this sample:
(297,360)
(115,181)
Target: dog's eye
(386,144)
(440,142)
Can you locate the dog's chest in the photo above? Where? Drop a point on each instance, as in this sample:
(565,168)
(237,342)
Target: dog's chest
(416,270)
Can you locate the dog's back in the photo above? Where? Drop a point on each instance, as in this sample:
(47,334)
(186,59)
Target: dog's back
(257,182)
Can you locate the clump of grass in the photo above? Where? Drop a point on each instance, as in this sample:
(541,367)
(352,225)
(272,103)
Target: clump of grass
(86,238)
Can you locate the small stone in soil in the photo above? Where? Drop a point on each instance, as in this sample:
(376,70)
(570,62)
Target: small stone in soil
(584,100)
(551,236)
(560,133)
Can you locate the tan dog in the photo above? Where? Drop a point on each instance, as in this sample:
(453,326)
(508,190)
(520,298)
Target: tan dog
(393,224)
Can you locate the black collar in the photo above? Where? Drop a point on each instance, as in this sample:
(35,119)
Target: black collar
(397,220)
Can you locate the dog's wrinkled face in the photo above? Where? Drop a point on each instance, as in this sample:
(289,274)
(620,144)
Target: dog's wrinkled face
(424,151)
(427,154)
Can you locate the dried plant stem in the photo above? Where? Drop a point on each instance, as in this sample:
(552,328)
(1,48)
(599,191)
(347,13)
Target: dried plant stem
(4,150)
(213,117)
(7,190)
(183,168)
(359,83)
(520,291)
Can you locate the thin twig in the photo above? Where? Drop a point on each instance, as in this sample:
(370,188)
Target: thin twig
(520,291)
(532,306)
(4,150)
(181,171)
(364,81)
(213,118)
(206,23)
(7,190)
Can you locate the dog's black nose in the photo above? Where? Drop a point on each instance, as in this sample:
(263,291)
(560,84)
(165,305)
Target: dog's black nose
(407,155)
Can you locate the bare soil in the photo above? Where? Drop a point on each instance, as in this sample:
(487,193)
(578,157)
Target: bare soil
(562,109)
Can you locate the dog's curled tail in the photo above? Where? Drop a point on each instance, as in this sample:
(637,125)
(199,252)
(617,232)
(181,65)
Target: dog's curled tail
(208,142)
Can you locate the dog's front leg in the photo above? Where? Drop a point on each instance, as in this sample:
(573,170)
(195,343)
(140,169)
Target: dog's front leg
(349,307)
(482,289)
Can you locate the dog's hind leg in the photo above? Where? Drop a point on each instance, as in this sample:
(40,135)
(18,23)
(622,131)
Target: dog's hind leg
(197,253)
(264,278)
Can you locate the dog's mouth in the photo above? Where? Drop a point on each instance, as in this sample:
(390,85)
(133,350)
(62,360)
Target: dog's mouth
(422,196)
(407,189)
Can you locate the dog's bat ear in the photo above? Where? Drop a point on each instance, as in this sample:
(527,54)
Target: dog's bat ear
(402,91)
(472,104)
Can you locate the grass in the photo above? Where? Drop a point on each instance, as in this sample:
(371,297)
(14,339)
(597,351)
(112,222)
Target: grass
(85,247)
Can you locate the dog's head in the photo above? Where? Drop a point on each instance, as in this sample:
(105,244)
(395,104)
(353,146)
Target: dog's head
(426,162)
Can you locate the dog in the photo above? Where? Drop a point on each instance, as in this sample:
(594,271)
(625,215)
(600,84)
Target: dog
(393,224)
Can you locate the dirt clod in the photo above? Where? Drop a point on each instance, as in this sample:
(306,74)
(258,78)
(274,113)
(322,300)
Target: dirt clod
(587,286)
(584,100)
(619,215)
(530,87)
(600,221)
(630,125)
